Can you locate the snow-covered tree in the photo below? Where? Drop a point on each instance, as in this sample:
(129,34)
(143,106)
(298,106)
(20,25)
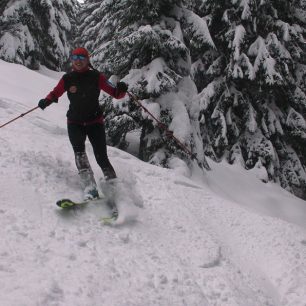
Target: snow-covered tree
(252,86)
(3,4)
(36,32)
(143,42)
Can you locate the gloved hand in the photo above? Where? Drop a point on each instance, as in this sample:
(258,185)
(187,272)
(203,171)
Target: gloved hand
(43,103)
(123,87)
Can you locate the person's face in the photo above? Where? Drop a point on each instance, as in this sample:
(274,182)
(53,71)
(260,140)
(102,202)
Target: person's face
(79,62)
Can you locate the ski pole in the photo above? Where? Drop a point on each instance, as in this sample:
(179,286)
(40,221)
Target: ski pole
(31,110)
(168,132)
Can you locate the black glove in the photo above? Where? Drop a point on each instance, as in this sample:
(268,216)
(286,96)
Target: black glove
(43,103)
(123,87)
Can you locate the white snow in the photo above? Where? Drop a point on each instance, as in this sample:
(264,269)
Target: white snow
(259,49)
(180,123)
(10,46)
(223,238)
(238,40)
(199,27)
(154,75)
(17,44)
(246,13)
(295,120)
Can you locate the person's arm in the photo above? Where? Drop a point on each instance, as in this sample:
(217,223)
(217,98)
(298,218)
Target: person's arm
(53,96)
(109,88)
(57,92)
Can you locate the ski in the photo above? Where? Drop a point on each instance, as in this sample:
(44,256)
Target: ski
(110,220)
(67,203)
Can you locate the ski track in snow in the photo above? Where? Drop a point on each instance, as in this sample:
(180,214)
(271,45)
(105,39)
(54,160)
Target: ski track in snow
(180,244)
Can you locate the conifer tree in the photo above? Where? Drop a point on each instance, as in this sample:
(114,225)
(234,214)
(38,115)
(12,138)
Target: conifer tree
(252,87)
(36,32)
(144,43)
(3,4)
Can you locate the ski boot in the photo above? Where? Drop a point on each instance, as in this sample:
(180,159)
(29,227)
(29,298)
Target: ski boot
(91,194)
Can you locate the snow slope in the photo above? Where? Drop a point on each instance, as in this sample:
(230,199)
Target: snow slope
(223,238)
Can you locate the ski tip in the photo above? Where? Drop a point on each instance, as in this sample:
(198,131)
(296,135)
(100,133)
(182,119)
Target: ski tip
(65,203)
(110,220)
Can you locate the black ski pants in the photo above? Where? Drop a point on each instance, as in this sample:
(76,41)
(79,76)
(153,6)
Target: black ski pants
(96,134)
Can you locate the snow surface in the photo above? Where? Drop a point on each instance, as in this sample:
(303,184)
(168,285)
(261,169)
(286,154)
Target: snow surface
(223,238)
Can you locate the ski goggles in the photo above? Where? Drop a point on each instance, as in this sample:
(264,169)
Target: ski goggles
(76,57)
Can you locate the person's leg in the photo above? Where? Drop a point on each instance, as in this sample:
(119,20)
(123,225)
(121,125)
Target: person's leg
(97,138)
(77,137)
(96,135)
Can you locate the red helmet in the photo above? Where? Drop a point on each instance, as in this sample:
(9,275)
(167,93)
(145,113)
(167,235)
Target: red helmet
(80,51)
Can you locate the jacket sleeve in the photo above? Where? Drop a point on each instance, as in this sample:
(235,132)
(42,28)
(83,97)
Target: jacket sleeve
(57,92)
(109,88)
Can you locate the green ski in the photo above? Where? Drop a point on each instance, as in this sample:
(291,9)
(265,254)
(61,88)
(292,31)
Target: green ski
(69,204)
(110,220)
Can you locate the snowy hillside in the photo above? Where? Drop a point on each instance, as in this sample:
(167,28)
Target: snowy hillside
(223,239)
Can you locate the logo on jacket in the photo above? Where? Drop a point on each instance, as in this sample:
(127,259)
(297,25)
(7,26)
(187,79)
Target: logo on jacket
(73,89)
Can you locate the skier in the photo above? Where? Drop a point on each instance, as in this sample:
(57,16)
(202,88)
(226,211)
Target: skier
(84,116)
